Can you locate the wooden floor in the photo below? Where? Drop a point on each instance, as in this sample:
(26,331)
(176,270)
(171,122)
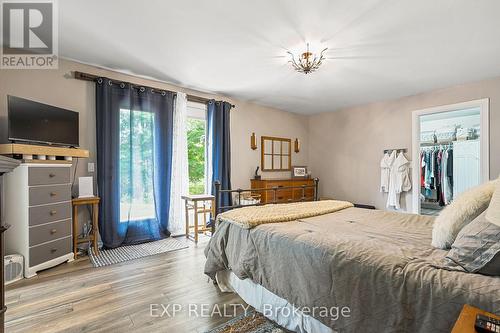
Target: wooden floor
(75,297)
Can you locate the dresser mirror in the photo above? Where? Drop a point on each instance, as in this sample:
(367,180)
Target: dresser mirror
(276,154)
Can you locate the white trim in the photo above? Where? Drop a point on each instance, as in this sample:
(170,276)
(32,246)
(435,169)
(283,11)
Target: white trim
(196,110)
(483,105)
(48,185)
(48,165)
(31,271)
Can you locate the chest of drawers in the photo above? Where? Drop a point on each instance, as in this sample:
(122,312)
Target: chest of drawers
(38,208)
(283,195)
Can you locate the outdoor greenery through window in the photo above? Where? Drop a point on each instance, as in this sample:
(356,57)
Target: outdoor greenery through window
(137,158)
(196,129)
(136,165)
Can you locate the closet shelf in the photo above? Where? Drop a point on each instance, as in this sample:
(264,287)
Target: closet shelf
(437,144)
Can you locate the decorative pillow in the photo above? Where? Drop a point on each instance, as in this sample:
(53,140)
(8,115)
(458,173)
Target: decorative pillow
(477,248)
(469,205)
(493,214)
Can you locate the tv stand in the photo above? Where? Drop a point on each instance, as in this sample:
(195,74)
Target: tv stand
(11,149)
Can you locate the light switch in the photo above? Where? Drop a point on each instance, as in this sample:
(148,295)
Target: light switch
(90,167)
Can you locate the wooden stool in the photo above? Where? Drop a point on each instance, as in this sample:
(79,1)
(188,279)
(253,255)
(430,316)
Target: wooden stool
(93,237)
(198,203)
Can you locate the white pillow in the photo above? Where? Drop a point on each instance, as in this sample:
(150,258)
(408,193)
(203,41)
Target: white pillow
(493,214)
(469,205)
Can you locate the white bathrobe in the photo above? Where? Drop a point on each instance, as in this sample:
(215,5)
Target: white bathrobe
(399,180)
(385,170)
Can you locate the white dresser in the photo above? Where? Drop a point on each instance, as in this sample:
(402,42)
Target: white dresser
(38,208)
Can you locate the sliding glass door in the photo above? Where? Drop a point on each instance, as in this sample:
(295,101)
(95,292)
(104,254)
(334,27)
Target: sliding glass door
(136,166)
(197,148)
(134,161)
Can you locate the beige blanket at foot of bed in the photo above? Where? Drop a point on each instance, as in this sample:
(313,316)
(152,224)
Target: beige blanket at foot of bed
(250,217)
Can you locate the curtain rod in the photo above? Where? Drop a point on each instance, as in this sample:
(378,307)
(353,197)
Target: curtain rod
(91,77)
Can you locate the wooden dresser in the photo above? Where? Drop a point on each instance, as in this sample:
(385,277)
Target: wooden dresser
(38,202)
(285,195)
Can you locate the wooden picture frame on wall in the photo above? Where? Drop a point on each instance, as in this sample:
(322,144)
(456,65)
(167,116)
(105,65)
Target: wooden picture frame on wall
(276,154)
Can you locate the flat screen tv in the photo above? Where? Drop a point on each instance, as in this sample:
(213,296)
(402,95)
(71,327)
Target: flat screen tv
(35,122)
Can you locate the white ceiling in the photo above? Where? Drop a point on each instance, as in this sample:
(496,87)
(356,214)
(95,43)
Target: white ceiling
(378,49)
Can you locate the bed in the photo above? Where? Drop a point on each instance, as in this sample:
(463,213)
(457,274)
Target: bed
(380,265)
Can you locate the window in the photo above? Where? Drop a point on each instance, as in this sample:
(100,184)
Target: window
(136,165)
(197,147)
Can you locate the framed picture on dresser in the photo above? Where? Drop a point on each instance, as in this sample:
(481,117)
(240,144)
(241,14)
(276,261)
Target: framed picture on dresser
(299,172)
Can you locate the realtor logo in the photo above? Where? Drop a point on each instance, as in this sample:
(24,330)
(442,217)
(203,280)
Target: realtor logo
(29,35)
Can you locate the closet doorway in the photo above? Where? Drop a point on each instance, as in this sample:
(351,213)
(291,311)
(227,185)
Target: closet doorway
(450,153)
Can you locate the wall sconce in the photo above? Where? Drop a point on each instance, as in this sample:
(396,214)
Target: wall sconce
(253,141)
(297,146)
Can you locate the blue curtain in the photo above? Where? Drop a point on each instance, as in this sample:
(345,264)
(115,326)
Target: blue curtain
(134,157)
(218,121)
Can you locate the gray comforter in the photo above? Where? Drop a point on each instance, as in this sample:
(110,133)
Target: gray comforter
(379,264)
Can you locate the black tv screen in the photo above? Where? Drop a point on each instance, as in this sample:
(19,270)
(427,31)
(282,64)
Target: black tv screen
(35,122)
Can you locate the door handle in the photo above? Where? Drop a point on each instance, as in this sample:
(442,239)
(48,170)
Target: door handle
(53,250)
(53,231)
(51,175)
(53,212)
(53,194)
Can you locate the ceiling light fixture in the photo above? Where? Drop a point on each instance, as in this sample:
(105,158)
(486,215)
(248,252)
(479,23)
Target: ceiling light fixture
(307,62)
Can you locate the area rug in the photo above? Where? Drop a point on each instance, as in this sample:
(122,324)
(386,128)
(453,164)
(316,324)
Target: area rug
(130,252)
(250,322)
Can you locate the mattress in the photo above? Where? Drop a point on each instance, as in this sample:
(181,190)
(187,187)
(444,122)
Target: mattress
(378,264)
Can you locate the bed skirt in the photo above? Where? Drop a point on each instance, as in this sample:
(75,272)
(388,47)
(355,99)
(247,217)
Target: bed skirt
(273,307)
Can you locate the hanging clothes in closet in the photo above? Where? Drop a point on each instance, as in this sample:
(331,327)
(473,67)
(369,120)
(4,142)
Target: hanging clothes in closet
(395,177)
(437,173)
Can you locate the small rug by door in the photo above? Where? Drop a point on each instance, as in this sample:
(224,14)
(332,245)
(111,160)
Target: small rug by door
(130,252)
(250,322)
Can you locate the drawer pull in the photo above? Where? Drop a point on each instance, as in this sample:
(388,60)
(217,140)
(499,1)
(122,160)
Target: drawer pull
(53,194)
(53,212)
(53,250)
(53,231)
(52,175)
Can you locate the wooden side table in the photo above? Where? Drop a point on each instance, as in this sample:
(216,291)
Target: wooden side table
(198,204)
(93,237)
(466,320)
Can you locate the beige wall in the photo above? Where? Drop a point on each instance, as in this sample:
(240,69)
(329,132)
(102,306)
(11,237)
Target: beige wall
(264,122)
(346,146)
(57,87)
